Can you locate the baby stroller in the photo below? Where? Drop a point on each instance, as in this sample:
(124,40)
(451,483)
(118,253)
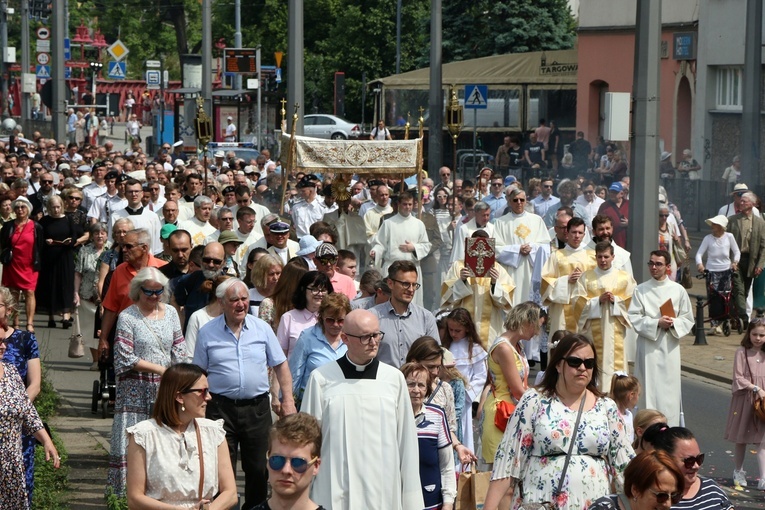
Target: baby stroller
(105,388)
(721,312)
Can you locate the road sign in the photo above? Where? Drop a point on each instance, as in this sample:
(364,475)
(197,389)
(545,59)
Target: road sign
(118,50)
(43,58)
(43,45)
(68,73)
(43,33)
(43,72)
(278,75)
(67,49)
(155,64)
(117,70)
(476,97)
(152,79)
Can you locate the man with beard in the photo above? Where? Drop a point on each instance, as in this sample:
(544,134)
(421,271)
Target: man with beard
(602,230)
(192,291)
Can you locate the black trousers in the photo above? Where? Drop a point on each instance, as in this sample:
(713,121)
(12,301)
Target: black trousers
(247,426)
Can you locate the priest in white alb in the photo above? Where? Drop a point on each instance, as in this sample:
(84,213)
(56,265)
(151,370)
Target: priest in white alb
(561,273)
(198,226)
(480,221)
(657,357)
(519,234)
(369,450)
(402,237)
(603,296)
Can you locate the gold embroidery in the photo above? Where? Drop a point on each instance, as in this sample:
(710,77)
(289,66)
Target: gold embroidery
(522,231)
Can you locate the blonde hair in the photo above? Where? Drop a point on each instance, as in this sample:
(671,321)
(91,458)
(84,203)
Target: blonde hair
(643,419)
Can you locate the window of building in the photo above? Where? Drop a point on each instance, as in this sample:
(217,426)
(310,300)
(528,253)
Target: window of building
(729,81)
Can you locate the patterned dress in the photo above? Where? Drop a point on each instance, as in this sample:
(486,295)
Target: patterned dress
(157,341)
(17,414)
(533,451)
(21,347)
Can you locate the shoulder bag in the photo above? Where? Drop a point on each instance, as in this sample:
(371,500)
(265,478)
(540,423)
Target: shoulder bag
(548,505)
(759,405)
(200,493)
(76,345)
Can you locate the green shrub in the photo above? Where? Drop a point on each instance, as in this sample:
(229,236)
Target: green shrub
(114,502)
(51,485)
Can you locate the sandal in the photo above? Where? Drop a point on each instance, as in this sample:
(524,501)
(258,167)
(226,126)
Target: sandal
(31,328)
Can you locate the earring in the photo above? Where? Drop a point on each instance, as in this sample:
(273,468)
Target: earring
(183,407)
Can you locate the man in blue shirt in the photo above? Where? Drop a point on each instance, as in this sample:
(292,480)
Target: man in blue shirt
(236,349)
(496,197)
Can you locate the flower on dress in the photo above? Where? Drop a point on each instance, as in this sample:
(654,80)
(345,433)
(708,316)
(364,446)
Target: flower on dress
(527,440)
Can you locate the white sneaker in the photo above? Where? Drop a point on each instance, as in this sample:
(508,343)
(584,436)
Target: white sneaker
(719,331)
(739,478)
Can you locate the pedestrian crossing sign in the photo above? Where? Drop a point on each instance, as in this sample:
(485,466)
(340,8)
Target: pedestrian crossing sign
(43,72)
(476,97)
(117,70)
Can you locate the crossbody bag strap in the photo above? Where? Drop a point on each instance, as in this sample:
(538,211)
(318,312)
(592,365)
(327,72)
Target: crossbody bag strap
(201,460)
(625,502)
(433,393)
(571,445)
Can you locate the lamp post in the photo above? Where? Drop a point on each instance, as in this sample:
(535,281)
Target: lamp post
(203,124)
(9,126)
(454,120)
(95,66)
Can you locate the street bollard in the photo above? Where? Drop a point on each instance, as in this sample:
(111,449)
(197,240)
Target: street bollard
(701,336)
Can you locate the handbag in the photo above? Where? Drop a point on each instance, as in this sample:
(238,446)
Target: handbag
(759,405)
(678,252)
(6,256)
(548,505)
(472,487)
(76,345)
(686,280)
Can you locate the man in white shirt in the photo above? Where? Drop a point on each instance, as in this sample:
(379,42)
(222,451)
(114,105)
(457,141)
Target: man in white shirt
(96,188)
(111,201)
(308,211)
(140,216)
(589,201)
(276,239)
(229,134)
(380,132)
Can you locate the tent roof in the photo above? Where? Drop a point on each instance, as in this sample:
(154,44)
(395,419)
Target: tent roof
(559,67)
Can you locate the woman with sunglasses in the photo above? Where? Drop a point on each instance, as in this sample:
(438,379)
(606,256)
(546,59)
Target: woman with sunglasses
(319,344)
(74,210)
(163,452)
(699,491)
(148,341)
(533,454)
(651,481)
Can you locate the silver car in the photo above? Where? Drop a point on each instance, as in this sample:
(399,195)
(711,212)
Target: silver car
(330,127)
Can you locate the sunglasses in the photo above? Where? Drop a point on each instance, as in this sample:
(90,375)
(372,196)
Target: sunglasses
(211,260)
(575,362)
(130,246)
(664,216)
(299,464)
(332,320)
(519,200)
(663,497)
(75,198)
(150,293)
(689,462)
(46,181)
(496,184)
(327,260)
(203,392)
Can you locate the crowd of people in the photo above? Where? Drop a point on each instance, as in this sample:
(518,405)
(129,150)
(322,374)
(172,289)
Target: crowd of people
(219,312)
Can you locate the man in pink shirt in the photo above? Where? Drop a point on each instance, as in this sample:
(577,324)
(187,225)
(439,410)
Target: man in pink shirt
(326,262)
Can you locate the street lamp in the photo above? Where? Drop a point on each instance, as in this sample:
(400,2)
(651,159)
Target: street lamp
(96,68)
(454,120)
(203,125)
(9,126)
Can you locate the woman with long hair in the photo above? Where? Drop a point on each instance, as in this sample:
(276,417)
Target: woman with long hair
(306,300)
(272,308)
(263,277)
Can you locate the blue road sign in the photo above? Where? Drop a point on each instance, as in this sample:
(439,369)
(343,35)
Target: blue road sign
(43,72)
(153,78)
(117,70)
(67,73)
(67,49)
(476,97)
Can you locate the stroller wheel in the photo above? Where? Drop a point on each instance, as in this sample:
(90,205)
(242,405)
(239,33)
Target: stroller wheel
(739,326)
(95,397)
(726,328)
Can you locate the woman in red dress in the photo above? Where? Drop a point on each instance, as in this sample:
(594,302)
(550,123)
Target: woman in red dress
(22,237)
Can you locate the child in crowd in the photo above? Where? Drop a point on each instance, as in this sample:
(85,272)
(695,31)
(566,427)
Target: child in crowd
(625,390)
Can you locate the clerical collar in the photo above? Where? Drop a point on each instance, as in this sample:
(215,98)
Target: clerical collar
(189,198)
(561,244)
(353,371)
(134,212)
(602,272)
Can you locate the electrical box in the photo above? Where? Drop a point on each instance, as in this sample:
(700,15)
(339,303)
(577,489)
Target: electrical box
(9,55)
(617,122)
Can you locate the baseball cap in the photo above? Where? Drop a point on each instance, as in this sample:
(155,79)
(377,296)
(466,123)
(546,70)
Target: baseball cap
(616,186)
(166,230)
(179,143)
(229,118)
(326,250)
(84,168)
(509,180)
(63,166)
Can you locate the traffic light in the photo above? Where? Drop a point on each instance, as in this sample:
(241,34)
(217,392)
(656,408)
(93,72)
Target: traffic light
(40,9)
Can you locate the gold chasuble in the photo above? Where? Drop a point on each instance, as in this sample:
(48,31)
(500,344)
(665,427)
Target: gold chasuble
(605,323)
(557,292)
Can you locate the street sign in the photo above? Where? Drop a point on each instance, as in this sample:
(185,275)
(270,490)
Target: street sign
(278,75)
(153,78)
(43,33)
(476,97)
(153,64)
(43,58)
(68,73)
(67,49)
(43,45)
(239,60)
(118,50)
(117,70)
(43,72)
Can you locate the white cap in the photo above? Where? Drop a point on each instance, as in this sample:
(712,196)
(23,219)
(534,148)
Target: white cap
(84,181)
(168,167)
(179,143)
(179,162)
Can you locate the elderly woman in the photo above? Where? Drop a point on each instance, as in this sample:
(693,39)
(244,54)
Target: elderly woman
(530,459)
(319,344)
(306,300)
(148,340)
(722,255)
(21,243)
(22,352)
(73,209)
(17,413)
(86,287)
(651,481)
(55,288)
(439,487)
(264,277)
(163,458)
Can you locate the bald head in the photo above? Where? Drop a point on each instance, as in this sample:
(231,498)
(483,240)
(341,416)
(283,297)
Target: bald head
(359,326)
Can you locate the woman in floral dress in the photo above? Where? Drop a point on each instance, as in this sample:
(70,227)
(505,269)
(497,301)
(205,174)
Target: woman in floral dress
(17,414)
(530,459)
(148,340)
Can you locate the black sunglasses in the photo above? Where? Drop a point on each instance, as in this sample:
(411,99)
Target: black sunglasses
(688,462)
(663,497)
(203,392)
(299,464)
(575,362)
(150,293)
(208,260)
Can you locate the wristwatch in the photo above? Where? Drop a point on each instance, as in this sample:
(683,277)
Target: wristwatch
(755,389)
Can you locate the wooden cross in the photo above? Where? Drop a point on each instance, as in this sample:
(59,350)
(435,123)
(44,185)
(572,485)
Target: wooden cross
(478,250)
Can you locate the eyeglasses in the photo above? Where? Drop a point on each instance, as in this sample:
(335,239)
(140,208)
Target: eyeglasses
(655,264)
(317,291)
(328,261)
(299,464)
(46,181)
(496,184)
(128,246)
(212,260)
(663,497)
(203,392)
(36,168)
(332,320)
(365,339)
(547,185)
(575,362)
(150,293)
(519,200)
(408,285)
(75,198)
(664,216)
(689,462)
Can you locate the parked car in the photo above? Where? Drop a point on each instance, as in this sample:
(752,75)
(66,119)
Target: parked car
(243,150)
(330,127)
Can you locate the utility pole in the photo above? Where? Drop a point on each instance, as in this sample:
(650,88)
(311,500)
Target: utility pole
(644,203)
(259,124)
(24,59)
(238,41)
(58,34)
(295,83)
(752,88)
(436,98)
(207,57)
(398,37)
(4,74)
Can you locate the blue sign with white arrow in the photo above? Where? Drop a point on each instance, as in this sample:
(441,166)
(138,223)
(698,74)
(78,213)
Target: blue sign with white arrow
(117,70)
